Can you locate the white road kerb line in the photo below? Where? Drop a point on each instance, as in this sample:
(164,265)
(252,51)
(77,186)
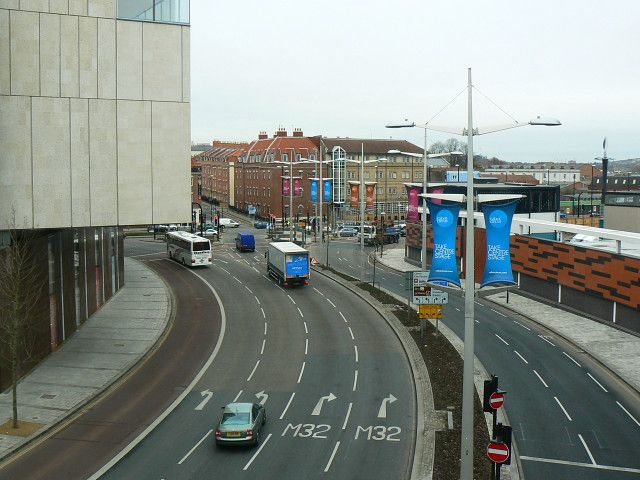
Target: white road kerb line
(306,330)
(540,378)
(265,328)
(628,413)
(287,407)
(355,347)
(345,320)
(597,382)
(306,345)
(501,339)
(355,380)
(250,291)
(550,343)
(571,358)
(263,314)
(292,300)
(301,371)
(318,291)
(237,397)
(195,446)
(257,300)
(523,326)
(346,419)
(332,304)
(523,359)
(333,454)
(264,341)
(253,371)
(565,412)
(258,452)
(584,444)
(300,312)
(351,333)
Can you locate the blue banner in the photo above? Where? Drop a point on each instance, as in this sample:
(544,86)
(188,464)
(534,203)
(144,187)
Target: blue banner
(314,190)
(497,219)
(444,266)
(328,188)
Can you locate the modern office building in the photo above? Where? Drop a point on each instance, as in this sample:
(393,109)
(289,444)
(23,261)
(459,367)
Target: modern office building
(94,135)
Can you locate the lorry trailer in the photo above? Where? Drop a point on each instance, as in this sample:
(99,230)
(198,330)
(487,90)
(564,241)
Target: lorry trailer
(288,263)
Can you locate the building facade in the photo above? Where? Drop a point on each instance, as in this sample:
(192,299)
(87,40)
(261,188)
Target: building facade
(94,135)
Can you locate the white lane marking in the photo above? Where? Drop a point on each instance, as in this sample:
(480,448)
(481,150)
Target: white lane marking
(253,371)
(300,312)
(207,394)
(256,269)
(355,380)
(540,378)
(346,419)
(627,412)
(263,314)
(332,304)
(223,261)
(292,300)
(584,444)
(457,308)
(382,412)
(265,328)
(301,371)
(195,446)
(351,332)
(476,321)
(248,289)
(571,358)
(264,340)
(599,384)
(318,408)
(355,347)
(345,320)
(306,330)
(477,303)
(237,397)
(245,261)
(523,359)
(257,300)
(495,311)
(333,454)
(306,345)
(549,342)
(287,407)
(258,452)
(281,288)
(237,280)
(579,464)
(565,412)
(318,291)
(501,339)
(225,270)
(523,326)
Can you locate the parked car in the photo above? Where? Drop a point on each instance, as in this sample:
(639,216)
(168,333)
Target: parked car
(228,223)
(210,232)
(260,224)
(563,215)
(241,424)
(348,232)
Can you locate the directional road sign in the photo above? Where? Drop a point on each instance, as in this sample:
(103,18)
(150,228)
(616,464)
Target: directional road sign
(496,400)
(497,452)
(430,311)
(423,294)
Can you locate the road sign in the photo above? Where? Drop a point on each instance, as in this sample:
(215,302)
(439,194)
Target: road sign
(496,400)
(437,296)
(420,288)
(497,452)
(430,311)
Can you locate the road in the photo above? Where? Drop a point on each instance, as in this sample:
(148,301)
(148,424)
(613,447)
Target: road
(571,418)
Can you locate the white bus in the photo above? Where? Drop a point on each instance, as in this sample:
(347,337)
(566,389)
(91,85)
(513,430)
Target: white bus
(188,249)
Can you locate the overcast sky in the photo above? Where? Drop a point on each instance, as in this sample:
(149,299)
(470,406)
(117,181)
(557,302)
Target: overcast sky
(346,68)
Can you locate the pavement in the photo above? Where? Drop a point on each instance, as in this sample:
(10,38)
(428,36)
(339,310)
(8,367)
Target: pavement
(615,349)
(103,349)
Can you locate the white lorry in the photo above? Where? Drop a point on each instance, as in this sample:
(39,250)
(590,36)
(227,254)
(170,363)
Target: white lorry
(288,263)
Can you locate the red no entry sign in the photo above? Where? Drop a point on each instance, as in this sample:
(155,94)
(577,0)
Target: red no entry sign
(496,400)
(497,452)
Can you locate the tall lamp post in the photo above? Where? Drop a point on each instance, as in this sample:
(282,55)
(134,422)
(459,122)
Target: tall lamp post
(466,444)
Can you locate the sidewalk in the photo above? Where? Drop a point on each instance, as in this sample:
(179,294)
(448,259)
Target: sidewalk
(104,348)
(617,350)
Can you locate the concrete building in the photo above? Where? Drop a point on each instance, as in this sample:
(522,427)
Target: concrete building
(556,174)
(94,135)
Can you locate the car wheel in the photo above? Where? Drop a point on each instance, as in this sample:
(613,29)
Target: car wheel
(257,440)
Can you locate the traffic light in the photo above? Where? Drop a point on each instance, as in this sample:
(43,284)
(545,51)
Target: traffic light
(193,215)
(490,387)
(502,433)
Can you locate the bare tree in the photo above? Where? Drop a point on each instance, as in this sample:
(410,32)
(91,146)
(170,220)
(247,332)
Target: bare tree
(21,288)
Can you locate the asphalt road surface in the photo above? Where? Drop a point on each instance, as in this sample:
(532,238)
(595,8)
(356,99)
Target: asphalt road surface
(571,418)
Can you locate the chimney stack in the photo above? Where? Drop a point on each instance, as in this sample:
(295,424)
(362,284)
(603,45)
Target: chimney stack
(281,132)
(297,132)
(263,136)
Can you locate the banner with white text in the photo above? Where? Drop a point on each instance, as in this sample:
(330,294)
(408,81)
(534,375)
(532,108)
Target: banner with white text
(497,219)
(444,266)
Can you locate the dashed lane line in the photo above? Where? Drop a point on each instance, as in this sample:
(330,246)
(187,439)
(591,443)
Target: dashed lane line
(521,357)
(333,454)
(597,382)
(563,409)
(301,371)
(253,371)
(548,341)
(287,406)
(501,339)
(195,446)
(540,378)
(584,444)
(628,413)
(571,358)
(257,452)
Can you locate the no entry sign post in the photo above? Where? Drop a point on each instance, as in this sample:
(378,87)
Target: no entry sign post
(499,449)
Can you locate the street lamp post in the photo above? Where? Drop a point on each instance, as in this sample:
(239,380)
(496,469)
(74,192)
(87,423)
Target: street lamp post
(466,444)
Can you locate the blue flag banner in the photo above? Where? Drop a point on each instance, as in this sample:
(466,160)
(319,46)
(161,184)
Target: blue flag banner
(328,187)
(497,219)
(444,266)
(314,190)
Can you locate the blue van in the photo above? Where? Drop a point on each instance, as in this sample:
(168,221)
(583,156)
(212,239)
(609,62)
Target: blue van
(246,242)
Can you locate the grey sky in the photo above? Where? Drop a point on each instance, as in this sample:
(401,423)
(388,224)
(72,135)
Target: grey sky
(346,68)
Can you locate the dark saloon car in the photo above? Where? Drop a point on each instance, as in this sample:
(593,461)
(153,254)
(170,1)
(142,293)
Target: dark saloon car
(241,424)
(260,224)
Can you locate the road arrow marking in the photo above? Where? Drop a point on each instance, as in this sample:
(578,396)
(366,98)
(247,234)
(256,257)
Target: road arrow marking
(328,398)
(382,413)
(207,396)
(262,395)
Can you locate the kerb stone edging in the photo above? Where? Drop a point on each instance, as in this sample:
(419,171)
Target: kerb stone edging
(425,426)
